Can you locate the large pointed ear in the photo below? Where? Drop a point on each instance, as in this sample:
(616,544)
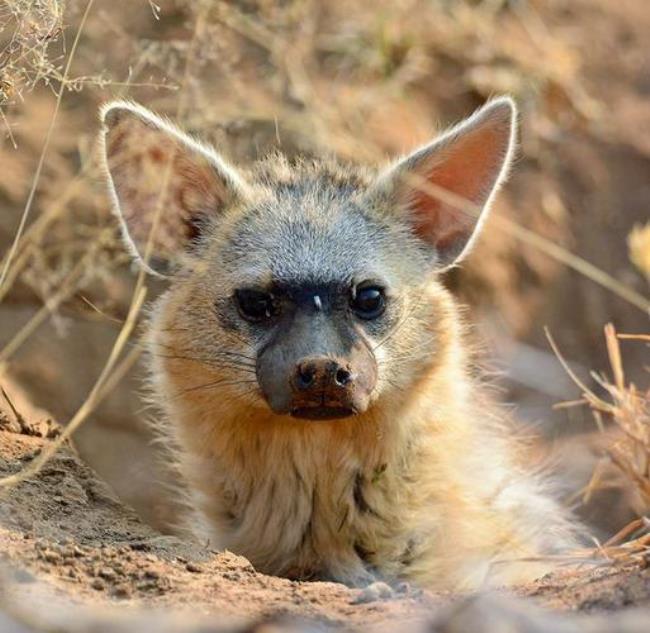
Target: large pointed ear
(164,184)
(445,188)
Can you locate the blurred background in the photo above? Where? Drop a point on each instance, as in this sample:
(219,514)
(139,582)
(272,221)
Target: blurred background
(568,249)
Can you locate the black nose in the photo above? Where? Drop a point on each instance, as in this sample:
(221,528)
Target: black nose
(305,375)
(322,374)
(342,377)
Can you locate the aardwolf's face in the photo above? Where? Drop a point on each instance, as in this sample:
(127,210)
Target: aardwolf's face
(306,288)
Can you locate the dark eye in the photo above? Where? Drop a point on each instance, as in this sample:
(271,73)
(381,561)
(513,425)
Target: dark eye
(368,301)
(255,305)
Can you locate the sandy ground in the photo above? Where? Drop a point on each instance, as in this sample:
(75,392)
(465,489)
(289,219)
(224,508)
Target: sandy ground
(75,557)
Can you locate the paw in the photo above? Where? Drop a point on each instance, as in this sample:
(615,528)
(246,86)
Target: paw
(374,592)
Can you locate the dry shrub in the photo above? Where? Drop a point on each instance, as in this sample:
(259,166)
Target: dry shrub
(624,406)
(30,32)
(628,408)
(625,464)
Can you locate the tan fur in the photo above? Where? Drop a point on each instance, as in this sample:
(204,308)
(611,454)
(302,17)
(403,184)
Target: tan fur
(433,466)
(424,486)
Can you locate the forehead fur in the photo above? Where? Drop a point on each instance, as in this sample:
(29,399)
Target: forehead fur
(311,222)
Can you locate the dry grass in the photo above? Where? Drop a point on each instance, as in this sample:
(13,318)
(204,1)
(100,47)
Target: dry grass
(32,46)
(625,464)
(312,78)
(628,408)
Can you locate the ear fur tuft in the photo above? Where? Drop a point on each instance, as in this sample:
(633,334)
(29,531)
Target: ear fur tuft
(162,181)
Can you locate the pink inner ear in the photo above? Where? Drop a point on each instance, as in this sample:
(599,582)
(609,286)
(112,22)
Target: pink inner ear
(139,157)
(466,166)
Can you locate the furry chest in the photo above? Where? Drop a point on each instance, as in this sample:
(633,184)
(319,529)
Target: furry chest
(310,521)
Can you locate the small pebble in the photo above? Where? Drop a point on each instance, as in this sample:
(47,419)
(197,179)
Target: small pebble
(107,573)
(51,557)
(122,591)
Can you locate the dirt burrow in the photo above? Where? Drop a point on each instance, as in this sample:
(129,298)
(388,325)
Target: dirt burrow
(76,559)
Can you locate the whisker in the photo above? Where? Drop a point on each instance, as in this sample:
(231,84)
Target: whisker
(215,383)
(226,366)
(397,327)
(206,359)
(404,357)
(216,352)
(209,362)
(208,385)
(237,354)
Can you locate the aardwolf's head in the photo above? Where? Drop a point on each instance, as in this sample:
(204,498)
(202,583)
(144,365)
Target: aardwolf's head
(308,289)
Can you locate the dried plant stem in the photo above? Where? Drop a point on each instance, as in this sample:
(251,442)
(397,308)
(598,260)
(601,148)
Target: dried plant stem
(577,263)
(629,409)
(29,242)
(110,377)
(46,145)
(635,337)
(97,393)
(544,245)
(66,289)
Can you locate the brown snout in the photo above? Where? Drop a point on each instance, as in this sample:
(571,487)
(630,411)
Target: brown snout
(324,387)
(316,368)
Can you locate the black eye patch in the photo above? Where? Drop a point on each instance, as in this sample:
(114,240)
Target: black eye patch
(310,296)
